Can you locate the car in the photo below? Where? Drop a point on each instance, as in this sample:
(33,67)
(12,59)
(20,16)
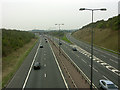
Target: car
(41,46)
(46,41)
(107,85)
(36,65)
(74,49)
(60,43)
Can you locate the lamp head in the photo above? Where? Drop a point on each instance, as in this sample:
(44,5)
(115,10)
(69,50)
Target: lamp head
(81,9)
(103,9)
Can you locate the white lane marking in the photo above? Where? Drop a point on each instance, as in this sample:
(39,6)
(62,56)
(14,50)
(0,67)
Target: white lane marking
(89,65)
(95,69)
(84,61)
(113,60)
(100,51)
(80,70)
(105,77)
(45,75)
(31,67)
(96,59)
(44,54)
(59,68)
(103,56)
(44,65)
(106,53)
(76,55)
(104,63)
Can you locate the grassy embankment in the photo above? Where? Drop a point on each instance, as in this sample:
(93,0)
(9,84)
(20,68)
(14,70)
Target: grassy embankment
(65,39)
(105,34)
(62,35)
(14,54)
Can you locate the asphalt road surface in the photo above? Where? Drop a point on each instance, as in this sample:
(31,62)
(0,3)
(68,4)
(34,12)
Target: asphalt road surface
(47,77)
(82,59)
(105,65)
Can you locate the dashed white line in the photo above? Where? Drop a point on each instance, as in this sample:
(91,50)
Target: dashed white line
(79,69)
(84,61)
(45,75)
(44,65)
(76,55)
(103,56)
(93,58)
(59,68)
(105,77)
(113,61)
(30,68)
(95,69)
(89,65)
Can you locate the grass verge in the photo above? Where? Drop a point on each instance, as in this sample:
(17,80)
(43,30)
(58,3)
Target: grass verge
(65,39)
(112,51)
(12,62)
(105,39)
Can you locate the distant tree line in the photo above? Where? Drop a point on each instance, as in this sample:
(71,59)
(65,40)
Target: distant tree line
(57,33)
(14,39)
(112,23)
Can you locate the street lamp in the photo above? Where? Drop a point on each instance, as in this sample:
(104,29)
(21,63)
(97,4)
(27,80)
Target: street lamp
(59,35)
(102,9)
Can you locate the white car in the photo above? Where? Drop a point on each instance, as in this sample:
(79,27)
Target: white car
(107,85)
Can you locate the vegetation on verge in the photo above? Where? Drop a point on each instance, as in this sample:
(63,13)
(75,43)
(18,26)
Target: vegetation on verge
(14,57)
(111,23)
(65,39)
(14,39)
(106,37)
(61,34)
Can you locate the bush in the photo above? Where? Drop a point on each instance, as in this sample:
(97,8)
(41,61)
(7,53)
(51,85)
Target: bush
(112,23)
(14,39)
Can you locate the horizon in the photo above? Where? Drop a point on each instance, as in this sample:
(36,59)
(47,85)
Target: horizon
(44,14)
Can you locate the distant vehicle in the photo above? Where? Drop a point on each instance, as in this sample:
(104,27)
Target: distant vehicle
(41,46)
(60,43)
(74,49)
(36,65)
(107,85)
(46,41)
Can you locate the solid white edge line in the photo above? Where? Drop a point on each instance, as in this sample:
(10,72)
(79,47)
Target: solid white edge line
(102,61)
(79,69)
(103,51)
(59,67)
(30,68)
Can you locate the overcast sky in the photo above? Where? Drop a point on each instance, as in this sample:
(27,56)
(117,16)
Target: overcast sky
(44,14)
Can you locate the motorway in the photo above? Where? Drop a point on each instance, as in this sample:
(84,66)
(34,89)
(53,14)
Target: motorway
(105,65)
(49,76)
(82,59)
